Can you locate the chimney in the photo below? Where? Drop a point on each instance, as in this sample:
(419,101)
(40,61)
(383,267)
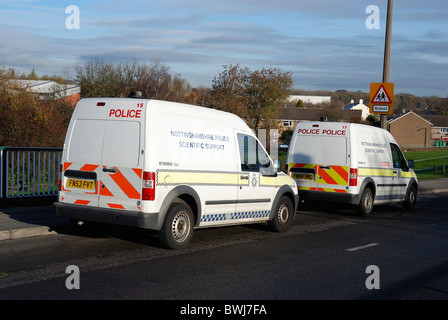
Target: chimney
(361,101)
(352,101)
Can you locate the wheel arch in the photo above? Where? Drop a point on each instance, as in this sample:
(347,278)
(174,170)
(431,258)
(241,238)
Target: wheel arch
(284,191)
(182,194)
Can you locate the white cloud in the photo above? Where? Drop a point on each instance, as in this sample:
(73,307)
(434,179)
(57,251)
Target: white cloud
(324,43)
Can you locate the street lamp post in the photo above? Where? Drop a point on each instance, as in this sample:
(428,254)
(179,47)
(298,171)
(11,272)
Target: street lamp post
(386,63)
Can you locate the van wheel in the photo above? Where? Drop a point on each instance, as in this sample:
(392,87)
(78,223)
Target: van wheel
(283,215)
(411,198)
(177,229)
(365,206)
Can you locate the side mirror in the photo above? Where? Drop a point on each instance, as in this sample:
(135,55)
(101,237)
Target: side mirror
(411,164)
(277,165)
(271,170)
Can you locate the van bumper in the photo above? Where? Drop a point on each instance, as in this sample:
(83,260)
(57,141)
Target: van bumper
(119,217)
(329,196)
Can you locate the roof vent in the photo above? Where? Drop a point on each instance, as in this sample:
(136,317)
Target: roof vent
(136,94)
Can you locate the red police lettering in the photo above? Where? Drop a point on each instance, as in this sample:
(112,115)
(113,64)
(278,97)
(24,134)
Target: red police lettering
(333,132)
(308,131)
(121,113)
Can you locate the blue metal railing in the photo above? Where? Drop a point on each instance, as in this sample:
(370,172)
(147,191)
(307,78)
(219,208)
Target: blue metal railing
(29,172)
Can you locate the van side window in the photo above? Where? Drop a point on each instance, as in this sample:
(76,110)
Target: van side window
(398,158)
(252,155)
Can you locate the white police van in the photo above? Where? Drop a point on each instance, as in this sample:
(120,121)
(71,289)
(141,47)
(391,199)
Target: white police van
(169,167)
(350,163)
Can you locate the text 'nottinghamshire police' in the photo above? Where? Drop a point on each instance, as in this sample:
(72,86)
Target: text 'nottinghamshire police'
(200,136)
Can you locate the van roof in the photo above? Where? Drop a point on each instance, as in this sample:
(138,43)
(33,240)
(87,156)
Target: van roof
(175,108)
(191,110)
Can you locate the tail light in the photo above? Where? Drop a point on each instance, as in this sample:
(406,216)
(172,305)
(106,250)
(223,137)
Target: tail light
(149,186)
(353,182)
(60,178)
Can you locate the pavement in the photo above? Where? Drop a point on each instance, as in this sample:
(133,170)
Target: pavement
(29,221)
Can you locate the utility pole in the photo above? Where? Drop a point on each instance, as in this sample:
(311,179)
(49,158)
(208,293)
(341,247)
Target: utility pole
(386,63)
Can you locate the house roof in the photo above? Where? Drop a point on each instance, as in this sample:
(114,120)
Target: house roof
(46,87)
(314,114)
(438,121)
(404,115)
(350,106)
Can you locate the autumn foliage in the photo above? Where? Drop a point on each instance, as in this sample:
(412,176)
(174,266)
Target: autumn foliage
(28,121)
(253,95)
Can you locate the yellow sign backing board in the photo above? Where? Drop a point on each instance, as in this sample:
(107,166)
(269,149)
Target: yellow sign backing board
(381,97)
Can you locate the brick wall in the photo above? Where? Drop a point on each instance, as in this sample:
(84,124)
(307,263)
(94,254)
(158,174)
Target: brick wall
(411,130)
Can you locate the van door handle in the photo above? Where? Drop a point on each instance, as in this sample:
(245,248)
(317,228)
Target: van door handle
(112,170)
(244,177)
(325,167)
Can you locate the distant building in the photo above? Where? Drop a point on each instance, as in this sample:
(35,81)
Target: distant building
(51,89)
(410,130)
(309,99)
(365,111)
(439,130)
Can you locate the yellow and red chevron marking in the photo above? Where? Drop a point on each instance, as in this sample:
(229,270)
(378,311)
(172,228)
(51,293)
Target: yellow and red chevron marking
(337,175)
(332,190)
(321,189)
(307,188)
(303,165)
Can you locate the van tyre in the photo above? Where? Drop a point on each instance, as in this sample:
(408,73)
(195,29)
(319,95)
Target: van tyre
(365,206)
(411,199)
(177,229)
(283,215)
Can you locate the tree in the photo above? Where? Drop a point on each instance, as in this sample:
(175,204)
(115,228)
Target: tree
(300,104)
(28,121)
(229,90)
(254,96)
(266,90)
(98,78)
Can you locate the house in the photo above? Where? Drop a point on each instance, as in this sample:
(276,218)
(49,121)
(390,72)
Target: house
(410,130)
(51,89)
(365,111)
(289,116)
(439,130)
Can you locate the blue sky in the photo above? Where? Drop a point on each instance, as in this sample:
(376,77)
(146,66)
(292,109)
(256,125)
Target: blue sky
(324,43)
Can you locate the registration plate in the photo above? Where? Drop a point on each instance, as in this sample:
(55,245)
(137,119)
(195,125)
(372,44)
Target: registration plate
(303,176)
(81,184)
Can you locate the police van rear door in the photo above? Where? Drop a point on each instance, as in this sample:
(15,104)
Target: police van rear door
(121,173)
(302,155)
(333,158)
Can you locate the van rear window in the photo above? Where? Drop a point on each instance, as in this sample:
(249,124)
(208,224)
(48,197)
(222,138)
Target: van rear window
(86,141)
(121,144)
(333,150)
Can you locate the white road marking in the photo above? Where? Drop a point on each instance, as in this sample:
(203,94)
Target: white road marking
(362,247)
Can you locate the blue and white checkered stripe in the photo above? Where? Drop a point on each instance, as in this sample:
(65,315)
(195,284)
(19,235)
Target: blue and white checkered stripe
(213,217)
(235,215)
(250,214)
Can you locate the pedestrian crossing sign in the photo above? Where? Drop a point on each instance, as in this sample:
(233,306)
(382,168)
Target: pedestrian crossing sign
(381,97)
